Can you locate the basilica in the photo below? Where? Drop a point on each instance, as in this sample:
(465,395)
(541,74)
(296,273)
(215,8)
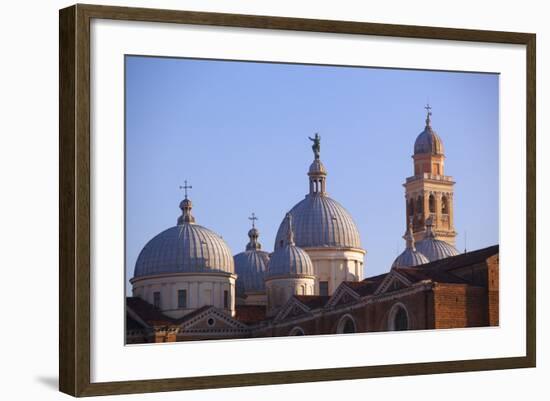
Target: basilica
(188,285)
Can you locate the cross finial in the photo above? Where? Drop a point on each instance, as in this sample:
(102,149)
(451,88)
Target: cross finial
(429,111)
(185,188)
(253,218)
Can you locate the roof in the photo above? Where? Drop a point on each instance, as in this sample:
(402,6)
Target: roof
(428,142)
(313,301)
(147,312)
(187,247)
(367,286)
(320,221)
(441,271)
(251,266)
(463,259)
(250,314)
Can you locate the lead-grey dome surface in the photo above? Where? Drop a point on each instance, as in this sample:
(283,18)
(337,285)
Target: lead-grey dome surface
(186,248)
(435,249)
(320,221)
(410,257)
(289,260)
(428,142)
(251,267)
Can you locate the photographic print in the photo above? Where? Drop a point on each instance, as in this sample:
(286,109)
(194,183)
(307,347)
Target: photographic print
(277,199)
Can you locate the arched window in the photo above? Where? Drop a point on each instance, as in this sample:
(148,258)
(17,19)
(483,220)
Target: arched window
(297,331)
(444,205)
(346,325)
(398,318)
(432,203)
(419,207)
(411,208)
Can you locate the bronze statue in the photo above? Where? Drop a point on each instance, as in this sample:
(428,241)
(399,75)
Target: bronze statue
(316,145)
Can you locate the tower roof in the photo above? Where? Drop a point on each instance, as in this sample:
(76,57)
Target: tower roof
(428,141)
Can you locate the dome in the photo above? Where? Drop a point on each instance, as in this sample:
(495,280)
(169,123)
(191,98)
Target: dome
(185,248)
(251,267)
(320,221)
(317,167)
(428,141)
(289,259)
(435,249)
(409,258)
(251,264)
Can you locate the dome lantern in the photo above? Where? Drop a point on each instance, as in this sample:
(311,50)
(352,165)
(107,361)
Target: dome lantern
(186,205)
(317,172)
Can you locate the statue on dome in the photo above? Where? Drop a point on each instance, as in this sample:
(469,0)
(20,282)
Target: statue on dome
(316,145)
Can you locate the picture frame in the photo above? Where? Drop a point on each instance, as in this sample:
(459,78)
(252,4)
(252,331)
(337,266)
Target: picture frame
(75,208)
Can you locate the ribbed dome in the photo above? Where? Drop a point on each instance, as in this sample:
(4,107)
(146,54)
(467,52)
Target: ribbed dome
(409,258)
(288,259)
(428,141)
(251,267)
(435,249)
(320,221)
(183,249)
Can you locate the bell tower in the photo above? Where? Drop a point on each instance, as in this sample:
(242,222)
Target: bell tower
(429,192)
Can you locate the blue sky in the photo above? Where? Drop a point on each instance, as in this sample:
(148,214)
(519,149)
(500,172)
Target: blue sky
(237,131)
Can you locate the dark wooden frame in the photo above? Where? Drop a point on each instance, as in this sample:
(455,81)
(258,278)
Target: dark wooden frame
(74,199)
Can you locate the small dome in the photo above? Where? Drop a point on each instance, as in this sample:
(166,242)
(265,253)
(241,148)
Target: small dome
(183,249)
(317,168)
(409,258)
(435,249)
(428,141)
(288,259)
(320,221)
(251,267)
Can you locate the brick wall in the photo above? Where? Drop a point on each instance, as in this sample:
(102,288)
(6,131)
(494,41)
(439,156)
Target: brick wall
(459,305)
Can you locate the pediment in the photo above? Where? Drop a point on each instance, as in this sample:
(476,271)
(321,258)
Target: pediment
(342,296)
(393,282)
(293,308)
(211,319)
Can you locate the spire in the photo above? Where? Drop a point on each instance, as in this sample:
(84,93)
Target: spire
(253,234)
(186,205)
(429,228)
(290,233)
(409,237)
(428,115)
(317,172)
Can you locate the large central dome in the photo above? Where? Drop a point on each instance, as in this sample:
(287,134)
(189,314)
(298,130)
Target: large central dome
(319,221)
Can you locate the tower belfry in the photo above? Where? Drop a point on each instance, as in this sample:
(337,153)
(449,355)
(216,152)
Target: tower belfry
(429,192)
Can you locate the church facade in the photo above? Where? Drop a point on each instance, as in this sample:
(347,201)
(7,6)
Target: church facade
(187,285)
